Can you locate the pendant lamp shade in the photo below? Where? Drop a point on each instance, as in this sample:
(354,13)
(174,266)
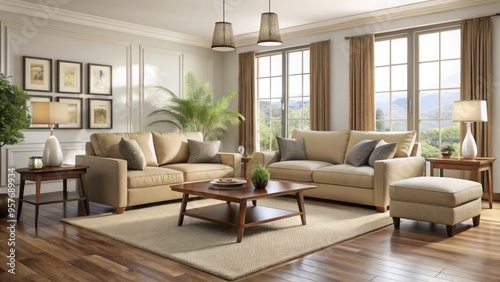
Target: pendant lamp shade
(223,39)
(269,34)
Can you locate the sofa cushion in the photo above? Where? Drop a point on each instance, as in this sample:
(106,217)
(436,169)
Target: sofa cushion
(382,151)
(132,153)
(405,140)
(295,170)
(153,176)
(203,152)
(202,171)
(106,145)
(325,146)
(361,152)
(172,147)
(345,175)
(291,149)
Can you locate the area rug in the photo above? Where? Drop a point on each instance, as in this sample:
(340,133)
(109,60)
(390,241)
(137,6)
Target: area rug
(212,247)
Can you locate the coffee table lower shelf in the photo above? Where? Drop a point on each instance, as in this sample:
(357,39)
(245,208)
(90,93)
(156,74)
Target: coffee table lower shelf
(228,214)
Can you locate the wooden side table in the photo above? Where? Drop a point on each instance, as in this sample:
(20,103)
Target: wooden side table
(245,161)
(476,165)
(63,173)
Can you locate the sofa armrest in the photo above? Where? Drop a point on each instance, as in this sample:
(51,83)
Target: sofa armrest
(392,170)
(265,157)
(233,160)
(107,180)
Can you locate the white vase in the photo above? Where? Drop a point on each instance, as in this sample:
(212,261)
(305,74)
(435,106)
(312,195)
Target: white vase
(52,153)
(469,147)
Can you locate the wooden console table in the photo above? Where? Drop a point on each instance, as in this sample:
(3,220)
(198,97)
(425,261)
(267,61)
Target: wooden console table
(476,166)
(63,173)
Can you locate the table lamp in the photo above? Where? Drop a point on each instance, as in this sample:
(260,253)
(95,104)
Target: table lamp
(469,111)
(50,113)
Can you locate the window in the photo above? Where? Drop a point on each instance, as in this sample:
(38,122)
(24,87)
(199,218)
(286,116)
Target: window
(432,80)
(282,95)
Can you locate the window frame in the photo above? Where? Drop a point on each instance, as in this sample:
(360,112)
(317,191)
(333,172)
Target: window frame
(413,80)
(284,86)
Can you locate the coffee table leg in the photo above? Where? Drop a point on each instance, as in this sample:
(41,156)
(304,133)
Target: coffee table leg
(185,198)
(300,203)
(241,223)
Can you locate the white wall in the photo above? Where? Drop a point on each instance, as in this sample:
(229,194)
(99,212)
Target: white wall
(138,62)
(339,87)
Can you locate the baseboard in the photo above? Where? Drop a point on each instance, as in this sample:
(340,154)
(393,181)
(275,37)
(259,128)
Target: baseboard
(496,196)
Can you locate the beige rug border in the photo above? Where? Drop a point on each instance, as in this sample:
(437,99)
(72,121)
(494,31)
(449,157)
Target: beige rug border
(320,216)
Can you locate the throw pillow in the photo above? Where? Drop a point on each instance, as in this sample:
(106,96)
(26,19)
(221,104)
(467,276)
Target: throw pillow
(291,149)
(360,152)
(382,151)
(203,152)
(132,153)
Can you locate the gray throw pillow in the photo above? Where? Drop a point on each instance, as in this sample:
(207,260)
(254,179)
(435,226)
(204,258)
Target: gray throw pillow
(132,153)
(360,152)
(382,151)
(203,152)
(291,149)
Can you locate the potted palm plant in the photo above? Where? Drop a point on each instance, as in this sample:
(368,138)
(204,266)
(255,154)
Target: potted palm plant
(198,111)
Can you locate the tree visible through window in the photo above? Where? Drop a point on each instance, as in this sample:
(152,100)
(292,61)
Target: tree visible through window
(432,80)
(283,97)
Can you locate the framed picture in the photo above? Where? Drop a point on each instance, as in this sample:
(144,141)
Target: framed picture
(37,73)
(69,77)
(34,98)
(74,112)
(100,77)
(100,113)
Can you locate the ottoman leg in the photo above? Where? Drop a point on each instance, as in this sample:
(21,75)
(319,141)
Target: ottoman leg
(450,230)
(475,220)
(396,221)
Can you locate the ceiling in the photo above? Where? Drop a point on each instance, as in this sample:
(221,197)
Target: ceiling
(196,18)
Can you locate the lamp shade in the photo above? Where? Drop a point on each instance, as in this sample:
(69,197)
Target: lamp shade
(49,113)
(470,111)
(269,34)
(223,39)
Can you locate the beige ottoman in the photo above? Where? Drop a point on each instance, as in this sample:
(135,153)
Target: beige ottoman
(440,200)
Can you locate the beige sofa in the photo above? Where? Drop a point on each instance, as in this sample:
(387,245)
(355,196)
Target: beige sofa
(325,166)
(110,182)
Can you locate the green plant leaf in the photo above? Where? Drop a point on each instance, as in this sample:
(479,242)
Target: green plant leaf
(197,111)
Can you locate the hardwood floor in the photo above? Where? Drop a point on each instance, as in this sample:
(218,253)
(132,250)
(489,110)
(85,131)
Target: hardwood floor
(419,251)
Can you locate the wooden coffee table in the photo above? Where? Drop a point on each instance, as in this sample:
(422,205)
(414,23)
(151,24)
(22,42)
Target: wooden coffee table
(234,211)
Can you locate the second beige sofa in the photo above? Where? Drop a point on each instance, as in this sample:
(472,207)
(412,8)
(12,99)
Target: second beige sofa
(325,166)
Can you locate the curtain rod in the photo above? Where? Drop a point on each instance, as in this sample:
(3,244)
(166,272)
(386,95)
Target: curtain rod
(494,15)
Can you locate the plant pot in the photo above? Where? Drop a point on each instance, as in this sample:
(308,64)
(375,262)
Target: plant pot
(446,155)
(259,184)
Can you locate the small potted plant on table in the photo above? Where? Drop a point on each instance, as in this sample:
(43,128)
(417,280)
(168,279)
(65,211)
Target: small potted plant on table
(447,151)
(260,176)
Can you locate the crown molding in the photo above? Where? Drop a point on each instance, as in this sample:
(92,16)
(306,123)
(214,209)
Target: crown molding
(57,14)
(376,17)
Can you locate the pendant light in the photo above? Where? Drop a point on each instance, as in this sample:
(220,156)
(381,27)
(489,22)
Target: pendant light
(269,34)
(223,39)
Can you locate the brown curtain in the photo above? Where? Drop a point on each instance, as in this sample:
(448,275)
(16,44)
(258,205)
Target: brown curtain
(320,85)
(246,100)
(476,77)
(362,82)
